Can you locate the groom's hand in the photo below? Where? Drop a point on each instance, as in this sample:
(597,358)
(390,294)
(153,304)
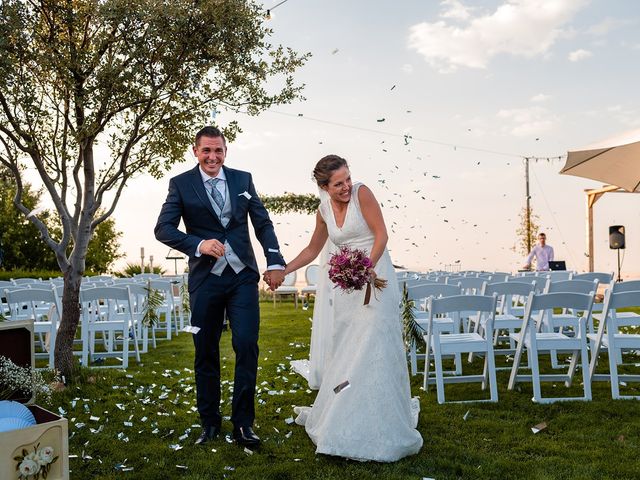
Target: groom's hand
(274,278)
(212,247)
(277,277)
(266,276)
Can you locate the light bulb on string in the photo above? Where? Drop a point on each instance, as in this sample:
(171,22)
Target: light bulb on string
(267,16)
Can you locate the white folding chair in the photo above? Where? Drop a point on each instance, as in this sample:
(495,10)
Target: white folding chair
(441,343)
(517,308)
(603,278)
(497,277)
(623,318)
(168,309)
(287,288)
(471,284)
(4,309)
(566,318)
(535,342)
(311,277)
(147,276)
(139,294)
(616,340)
(25,280)
(179,283)
(108,311)
(503,321)
(558,275)
(41,305)
(419,295)
(410,282)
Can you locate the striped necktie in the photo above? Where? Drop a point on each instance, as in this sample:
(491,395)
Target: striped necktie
(215,193)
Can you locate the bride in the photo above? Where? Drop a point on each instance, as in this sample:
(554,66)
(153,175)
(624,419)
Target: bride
(363,409)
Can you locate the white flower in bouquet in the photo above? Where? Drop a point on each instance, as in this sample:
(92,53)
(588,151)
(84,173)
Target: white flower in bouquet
(46,454)
(28,467)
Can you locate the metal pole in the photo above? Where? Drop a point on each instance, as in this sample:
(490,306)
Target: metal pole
(619,278)
(528,197)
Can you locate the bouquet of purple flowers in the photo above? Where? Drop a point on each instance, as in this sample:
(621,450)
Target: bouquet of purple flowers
(351,269)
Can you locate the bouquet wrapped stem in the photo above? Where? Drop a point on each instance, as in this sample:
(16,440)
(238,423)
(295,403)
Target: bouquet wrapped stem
(377,284)
(351,269)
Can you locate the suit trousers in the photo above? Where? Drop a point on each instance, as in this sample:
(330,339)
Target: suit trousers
(237,294)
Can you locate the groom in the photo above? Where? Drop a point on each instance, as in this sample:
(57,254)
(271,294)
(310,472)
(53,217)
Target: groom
(214,202)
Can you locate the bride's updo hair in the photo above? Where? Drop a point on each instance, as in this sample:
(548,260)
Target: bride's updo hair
(325,168)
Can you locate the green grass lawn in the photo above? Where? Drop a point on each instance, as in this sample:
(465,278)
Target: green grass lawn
(147,422)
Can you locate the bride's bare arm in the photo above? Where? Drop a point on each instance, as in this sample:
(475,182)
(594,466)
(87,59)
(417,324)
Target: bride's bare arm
(373,216)
(311,251)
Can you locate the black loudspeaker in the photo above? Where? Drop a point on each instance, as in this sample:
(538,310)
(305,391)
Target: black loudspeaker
(616,237)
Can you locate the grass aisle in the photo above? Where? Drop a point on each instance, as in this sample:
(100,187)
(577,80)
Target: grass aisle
(141,424)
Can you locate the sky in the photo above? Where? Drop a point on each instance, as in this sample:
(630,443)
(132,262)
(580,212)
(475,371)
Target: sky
(435,104)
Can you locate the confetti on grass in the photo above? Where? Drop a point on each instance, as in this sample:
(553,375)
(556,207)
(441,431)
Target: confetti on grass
(539,427)
(343,386)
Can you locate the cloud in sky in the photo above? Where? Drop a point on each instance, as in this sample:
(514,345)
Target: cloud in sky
(540,97)
(455,10)
(527,121)
(608,24)
(407,68)
(579,54)
(518,27)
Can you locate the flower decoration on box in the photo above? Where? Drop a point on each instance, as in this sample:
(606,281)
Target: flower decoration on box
(35,465)
(351,269)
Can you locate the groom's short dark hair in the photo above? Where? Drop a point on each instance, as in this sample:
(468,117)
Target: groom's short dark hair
(210,131)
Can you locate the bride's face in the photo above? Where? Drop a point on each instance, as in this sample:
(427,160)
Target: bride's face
(339,187)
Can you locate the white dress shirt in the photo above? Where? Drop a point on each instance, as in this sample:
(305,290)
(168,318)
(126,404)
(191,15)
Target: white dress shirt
(543,255)
(221,186)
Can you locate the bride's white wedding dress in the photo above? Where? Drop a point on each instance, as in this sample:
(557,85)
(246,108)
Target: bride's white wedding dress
(373,418)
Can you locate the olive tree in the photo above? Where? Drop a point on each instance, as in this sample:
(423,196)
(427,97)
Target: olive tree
(95,92)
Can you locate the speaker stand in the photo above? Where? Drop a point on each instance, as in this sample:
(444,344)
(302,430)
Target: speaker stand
(619,278)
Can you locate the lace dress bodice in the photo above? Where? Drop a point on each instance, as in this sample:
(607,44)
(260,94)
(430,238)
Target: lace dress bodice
(354,231)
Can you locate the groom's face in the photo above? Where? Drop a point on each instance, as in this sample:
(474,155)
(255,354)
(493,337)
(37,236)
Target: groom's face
(211,152)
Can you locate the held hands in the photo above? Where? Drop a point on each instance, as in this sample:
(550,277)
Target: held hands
(212,247)
(274,278)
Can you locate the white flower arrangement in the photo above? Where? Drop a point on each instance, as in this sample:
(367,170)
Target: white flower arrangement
(27,381)
(36,464)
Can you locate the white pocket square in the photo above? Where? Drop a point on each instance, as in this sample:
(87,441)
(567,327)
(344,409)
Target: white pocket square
(245,194)
(273,250)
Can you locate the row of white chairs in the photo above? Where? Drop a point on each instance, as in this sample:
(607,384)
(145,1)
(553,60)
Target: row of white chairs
(111,312)
(511,296)
(456,321)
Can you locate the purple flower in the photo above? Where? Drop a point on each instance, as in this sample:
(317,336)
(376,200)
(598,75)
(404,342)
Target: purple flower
(349,269)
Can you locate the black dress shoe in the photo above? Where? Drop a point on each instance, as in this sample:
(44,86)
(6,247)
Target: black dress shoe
(208,433)
(246,437)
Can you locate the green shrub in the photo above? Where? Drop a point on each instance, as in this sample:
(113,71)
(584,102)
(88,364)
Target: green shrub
(132,269)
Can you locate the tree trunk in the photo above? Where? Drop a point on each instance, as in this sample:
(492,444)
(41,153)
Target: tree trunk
(64,358)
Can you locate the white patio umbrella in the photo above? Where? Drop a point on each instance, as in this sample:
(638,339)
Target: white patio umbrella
(615,161)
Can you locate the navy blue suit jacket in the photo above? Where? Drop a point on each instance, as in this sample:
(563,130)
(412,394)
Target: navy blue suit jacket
(187,200)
